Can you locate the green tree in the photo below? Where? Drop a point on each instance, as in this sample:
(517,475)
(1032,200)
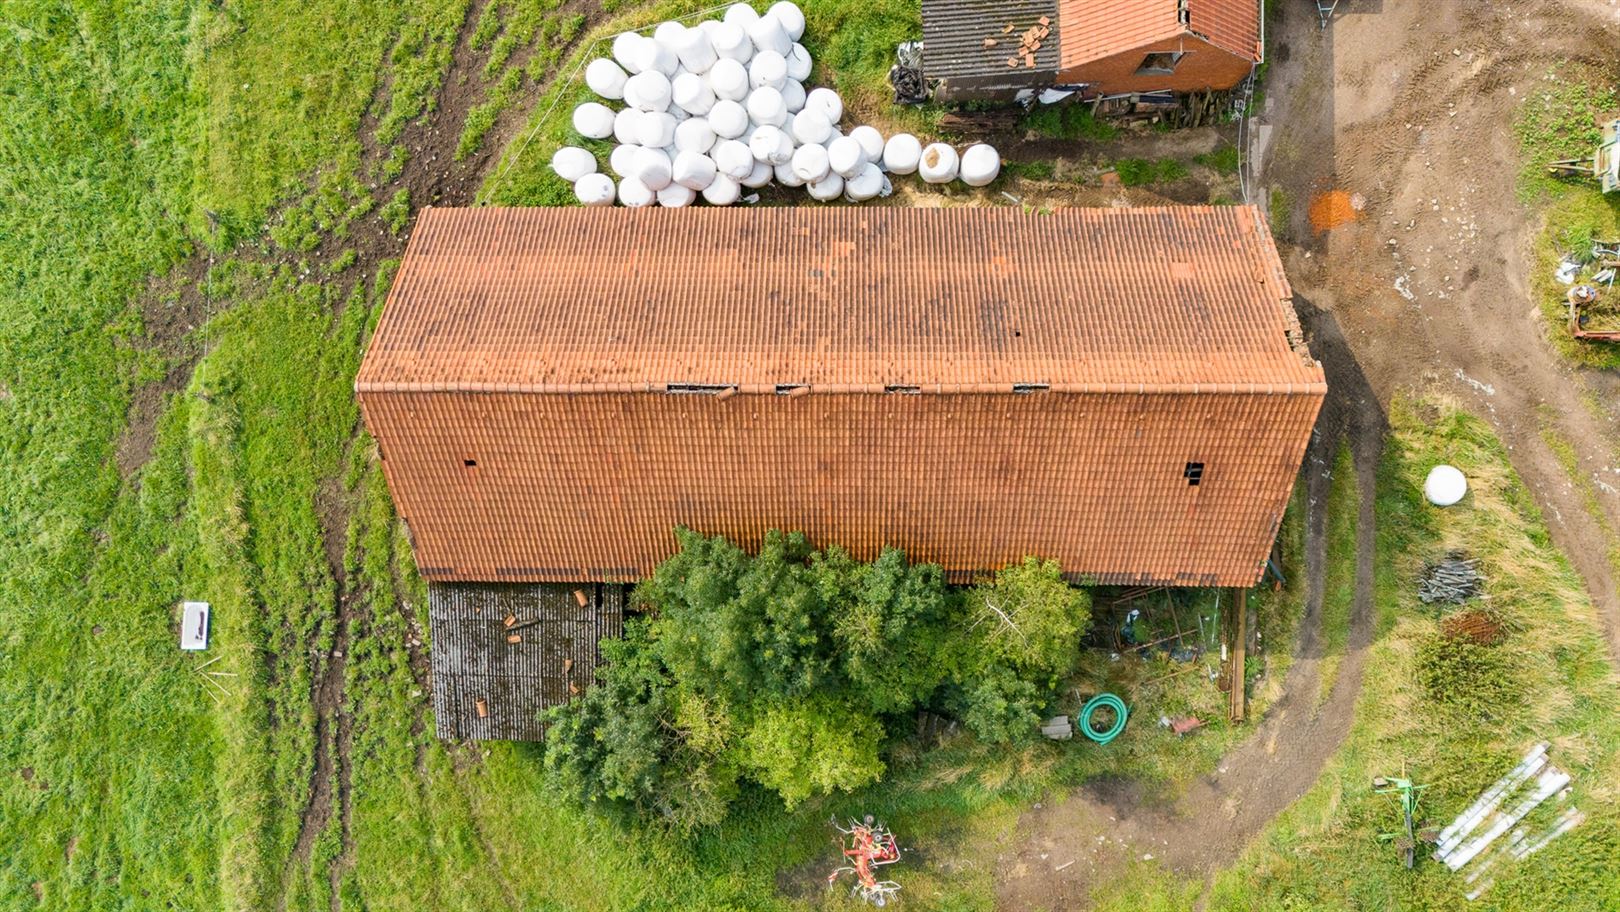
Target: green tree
(1030,618)
(890,624)
(814,746)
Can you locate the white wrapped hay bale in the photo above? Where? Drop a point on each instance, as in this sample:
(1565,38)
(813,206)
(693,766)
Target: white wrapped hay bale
(653,168)
(728,119)
(864,185)
(635,194)
(731,42)
(793,96)
(728,79)
(595,189)
(810,163)
(770,145)
(733,159)
(759,176)
(625,124)
(694,170)
(675,196)
(846,156)
(654,56)
(606,78)
(668,32)
(572,163)
(791,17)
(648,91)
(980,165)
(871,142)
(827,189)
(827,102)
(695,51)
(694,135)
(765,106)
(740,14)
(767,34)
(691,93)
(655,130)
(811,126)
(626,46)
(768,68)
(939,164)
(622,160)
(593,121)
(787,177)
(798,63)
(902,153)
(722,192)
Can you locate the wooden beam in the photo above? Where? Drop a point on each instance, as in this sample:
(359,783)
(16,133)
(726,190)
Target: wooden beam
(1238,706)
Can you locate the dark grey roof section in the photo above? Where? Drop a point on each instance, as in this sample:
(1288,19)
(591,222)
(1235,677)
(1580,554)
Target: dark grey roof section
(473,661)
(963,69)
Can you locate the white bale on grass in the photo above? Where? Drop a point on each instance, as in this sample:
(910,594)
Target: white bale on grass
(865,184)
(787,177)
(625,124)
(810,163)
(980,165)
(827,189)
(606,78)
(768,68)
(635,194)
(759,176)
(691,93)
(902,153)
(572,163)
(653,168)
(625,48)
(695,51)
(793,96)
(675,196)
(694,170)
(648,91)
(939,164)
(846,156)
(668,31)
(791,17)
(694,135)
(798,63)
(827,102)
(593,120)
(595,189)
(653,56)
(655,130)
(1445,485)
(728,79)
(767,34)
(871,141)
(765,106)
(733,159)
(728,119)
(731,42)
(622,160)
(722,192)
(811,126)
(770,145)
(739,14)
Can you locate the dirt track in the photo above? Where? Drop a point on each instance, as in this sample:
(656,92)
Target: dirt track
(1408,106)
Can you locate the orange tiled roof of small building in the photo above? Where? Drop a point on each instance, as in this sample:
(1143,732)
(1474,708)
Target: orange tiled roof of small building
(1095,29)
(839,299)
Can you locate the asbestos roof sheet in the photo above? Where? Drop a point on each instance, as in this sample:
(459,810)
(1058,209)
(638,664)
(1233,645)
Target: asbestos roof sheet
(1095,29)
(954,33)
(839,299)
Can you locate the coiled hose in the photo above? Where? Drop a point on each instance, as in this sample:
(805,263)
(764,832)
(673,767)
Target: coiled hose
(1098,702)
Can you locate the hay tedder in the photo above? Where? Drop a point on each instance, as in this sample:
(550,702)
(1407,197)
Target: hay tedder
(1603,164)
(871,846)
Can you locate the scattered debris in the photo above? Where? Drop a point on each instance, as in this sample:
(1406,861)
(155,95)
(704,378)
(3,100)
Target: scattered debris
(1334,208)
(194,626)
(1181,726)
(1473,626)
(1058,728)
(1454,579)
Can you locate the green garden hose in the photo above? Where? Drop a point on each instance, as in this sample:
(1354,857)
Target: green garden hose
(1098,702)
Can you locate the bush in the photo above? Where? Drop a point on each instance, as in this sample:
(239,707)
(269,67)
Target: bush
(1467,679)
(1030,618)
(813,747)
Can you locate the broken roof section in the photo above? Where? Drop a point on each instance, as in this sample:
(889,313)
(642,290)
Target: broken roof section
(976,49)
(1097,29)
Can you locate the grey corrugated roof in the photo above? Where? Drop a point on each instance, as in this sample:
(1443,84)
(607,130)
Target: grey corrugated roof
(954,51)
(472,660)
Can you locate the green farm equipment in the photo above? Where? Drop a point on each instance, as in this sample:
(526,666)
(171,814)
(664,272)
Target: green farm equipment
(1406,795)
(1603,164)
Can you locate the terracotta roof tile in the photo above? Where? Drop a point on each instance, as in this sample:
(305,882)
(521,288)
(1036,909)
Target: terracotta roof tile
(1095,29)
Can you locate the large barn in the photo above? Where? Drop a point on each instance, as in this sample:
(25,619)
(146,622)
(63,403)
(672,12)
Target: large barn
(1125,390)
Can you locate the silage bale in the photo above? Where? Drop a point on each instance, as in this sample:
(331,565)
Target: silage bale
(728,79)
(572,163)
(798,63)
(695,51)
(768,68)
(675,196)
(740,14)
(871,142)
(733,159)
(810,163)
(694,135)
(845,156)
(811,126)
(770,145)
(593,121)
(606,78)
(691,93)
(625,125)
(728,119)
(767,34)
(939,164)
(980,165)
(655,130)
(827,102)
(594,189)
(786,176)
(653,168)
(625,50)
(694,170)
(765,106)
(654,56)
(865,184)
(668,31)
(759,176)
(622,160)
(648,91)
(731,42)
(793,96)
(635,194)
(827,189)
(722,192)
(791,17)
(902,153)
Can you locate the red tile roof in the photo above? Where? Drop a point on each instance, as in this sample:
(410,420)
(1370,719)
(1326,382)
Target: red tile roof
(1095,29)
(516,385)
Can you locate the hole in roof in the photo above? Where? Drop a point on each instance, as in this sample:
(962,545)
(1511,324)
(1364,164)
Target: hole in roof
(788,389)
(469,463)
(1031,387)
(697,389)
(1194,473)
(903,390)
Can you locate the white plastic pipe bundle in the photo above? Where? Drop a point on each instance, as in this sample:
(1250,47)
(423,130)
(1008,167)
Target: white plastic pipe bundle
(939,164)
(980,165)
